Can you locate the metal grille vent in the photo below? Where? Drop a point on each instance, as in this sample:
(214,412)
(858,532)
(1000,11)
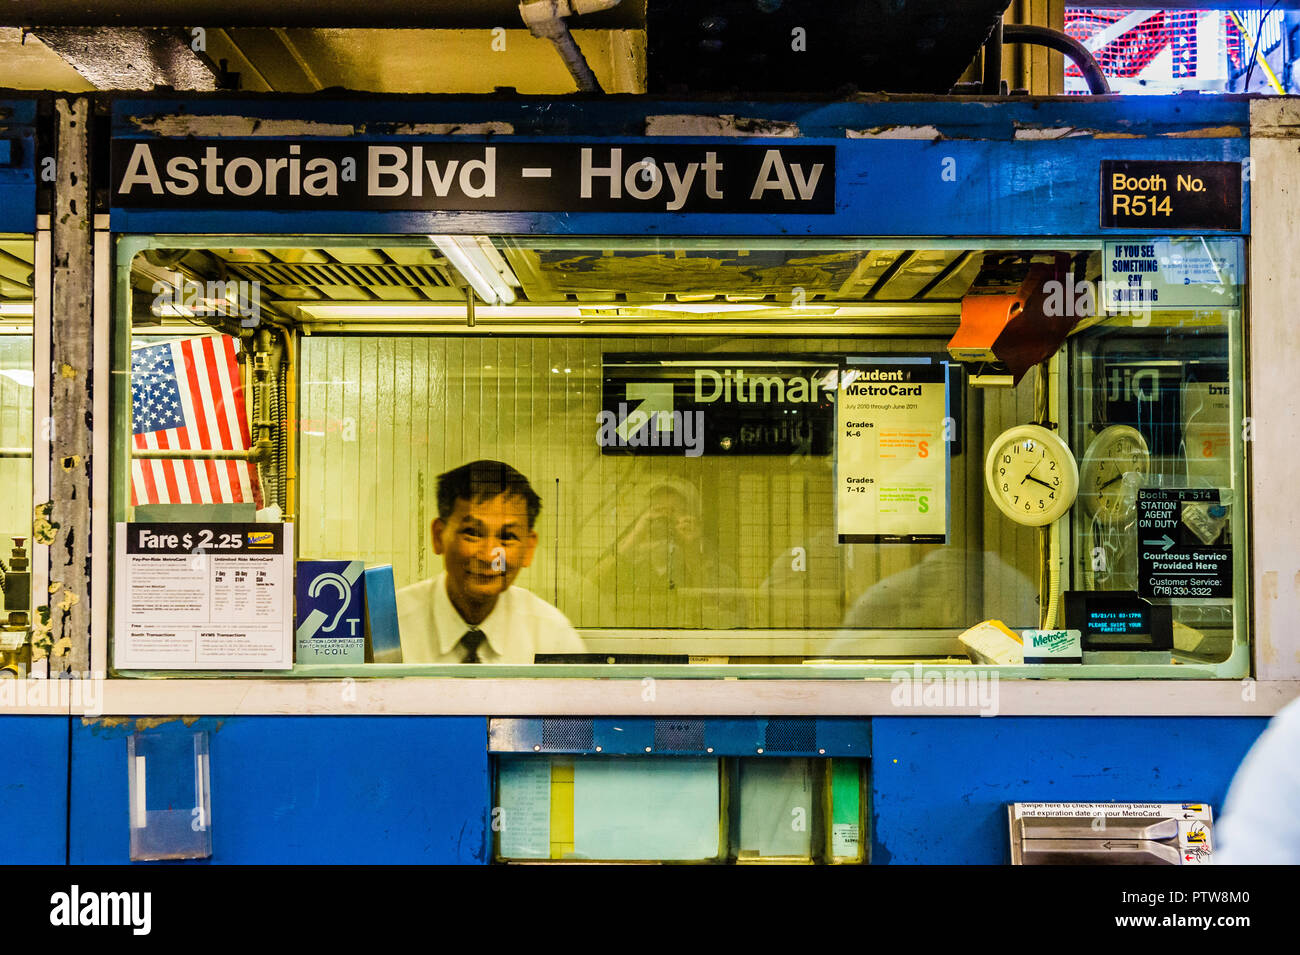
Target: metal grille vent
(679,736)
(567,735)
(792,736)
(336,274)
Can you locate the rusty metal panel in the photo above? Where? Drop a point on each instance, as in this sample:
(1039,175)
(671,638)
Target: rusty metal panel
(67,529)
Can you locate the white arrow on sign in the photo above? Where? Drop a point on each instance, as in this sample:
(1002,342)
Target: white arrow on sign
(1164,543)
(652,398)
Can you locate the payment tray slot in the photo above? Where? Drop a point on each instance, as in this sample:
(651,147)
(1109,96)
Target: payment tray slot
(1110,833)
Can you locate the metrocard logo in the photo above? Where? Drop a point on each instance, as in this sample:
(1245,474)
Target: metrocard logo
(260,540)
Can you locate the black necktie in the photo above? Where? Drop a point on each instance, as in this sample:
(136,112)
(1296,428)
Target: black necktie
(472,640)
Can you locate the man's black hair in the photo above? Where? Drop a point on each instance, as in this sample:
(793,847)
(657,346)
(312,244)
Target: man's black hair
(484,480)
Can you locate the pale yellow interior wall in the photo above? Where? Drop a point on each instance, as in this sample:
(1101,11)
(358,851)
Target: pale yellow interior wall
(15,432)
(381,417)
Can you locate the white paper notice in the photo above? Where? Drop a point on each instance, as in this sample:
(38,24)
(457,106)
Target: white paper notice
(523,818)
(204,597)
(891,453)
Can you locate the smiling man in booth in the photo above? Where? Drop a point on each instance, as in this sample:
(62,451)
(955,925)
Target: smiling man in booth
(472,612)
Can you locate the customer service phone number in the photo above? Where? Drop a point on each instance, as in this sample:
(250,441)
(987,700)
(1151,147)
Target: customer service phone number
(1165,588)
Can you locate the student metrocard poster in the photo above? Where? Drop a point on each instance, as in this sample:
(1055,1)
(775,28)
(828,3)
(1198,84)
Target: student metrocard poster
(892,442)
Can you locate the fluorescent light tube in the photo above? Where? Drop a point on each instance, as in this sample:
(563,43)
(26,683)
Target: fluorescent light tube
(474,265)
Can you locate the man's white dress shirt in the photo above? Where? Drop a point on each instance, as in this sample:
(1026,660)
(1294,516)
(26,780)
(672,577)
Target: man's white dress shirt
(520,625)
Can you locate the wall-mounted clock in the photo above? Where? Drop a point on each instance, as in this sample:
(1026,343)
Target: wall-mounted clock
(1031,474)
(1116,451)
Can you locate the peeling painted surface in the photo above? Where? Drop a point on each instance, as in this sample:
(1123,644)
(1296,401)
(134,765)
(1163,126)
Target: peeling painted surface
(138,724)
(42,638)
(896,132)
(1210,132)
(1032,133)
(232,125)
(43,529)
(682,124)
(71,397)
(1265,651)
(450,129)
(133,724)
(181,125)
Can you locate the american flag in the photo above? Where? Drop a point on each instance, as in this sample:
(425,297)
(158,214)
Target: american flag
(188,394)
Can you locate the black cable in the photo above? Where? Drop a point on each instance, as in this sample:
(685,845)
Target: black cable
(1259,35)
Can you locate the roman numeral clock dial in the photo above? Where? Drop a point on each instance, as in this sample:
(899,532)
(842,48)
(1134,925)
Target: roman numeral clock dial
(1031,475)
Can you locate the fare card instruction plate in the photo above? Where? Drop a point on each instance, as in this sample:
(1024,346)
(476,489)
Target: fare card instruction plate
(1150,194)
(204,597)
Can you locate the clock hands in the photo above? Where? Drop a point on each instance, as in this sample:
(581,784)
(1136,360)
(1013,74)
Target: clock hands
(1029,476)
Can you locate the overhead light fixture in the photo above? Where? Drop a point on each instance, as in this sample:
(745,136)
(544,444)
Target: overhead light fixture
(382,312)
(617,311)
(171,310)
(705,308)
(17,310)
(487,273)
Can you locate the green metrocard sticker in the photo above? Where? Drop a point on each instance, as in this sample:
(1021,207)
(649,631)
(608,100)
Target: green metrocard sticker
(1052,646)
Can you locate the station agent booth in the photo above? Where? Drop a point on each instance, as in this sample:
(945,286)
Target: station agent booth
(914,428)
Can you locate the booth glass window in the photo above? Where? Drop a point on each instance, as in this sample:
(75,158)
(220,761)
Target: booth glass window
(17,255)
(744,456)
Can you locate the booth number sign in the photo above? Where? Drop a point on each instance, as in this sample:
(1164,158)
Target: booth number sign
(1170,195)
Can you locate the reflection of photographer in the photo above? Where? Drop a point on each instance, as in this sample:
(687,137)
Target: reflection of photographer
(664,569)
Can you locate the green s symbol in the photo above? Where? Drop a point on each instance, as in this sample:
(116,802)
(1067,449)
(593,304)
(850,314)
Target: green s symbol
(923,504)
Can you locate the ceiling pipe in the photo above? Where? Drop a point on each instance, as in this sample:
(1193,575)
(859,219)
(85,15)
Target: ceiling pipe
(1062,43)
(545,19)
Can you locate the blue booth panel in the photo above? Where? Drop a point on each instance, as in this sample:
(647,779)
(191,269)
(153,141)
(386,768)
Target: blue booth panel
(34,789)
(940,784)
(304,789)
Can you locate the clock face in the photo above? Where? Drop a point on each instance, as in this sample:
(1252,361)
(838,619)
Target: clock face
(1031,475)
(1117,451)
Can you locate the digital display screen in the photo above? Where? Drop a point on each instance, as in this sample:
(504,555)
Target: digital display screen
(1118,620)
(1103,622)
